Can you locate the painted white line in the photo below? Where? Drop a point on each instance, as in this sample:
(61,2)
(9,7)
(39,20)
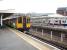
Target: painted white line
(45,43)
(34,43)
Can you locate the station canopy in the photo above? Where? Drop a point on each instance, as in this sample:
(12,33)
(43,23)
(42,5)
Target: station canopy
(6,13)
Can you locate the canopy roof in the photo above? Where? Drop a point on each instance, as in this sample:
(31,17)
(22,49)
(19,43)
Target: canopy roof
(6,13)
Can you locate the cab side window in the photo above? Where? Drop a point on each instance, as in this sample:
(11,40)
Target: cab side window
(20,20)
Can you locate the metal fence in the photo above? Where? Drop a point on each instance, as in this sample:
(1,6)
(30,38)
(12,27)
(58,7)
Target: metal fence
(50,35)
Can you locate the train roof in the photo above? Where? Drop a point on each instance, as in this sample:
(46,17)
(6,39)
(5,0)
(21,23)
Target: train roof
(55,15)
(51,16)
(16,15)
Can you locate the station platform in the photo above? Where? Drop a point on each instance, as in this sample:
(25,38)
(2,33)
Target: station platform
(11,39)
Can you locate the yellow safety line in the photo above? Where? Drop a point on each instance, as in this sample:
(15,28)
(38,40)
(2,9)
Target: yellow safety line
(30,41)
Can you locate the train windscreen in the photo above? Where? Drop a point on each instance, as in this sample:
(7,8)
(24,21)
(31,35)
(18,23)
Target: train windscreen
(28,20)
(20,20)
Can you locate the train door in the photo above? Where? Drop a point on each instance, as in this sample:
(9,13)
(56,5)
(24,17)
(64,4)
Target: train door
(24,22)
(59,22)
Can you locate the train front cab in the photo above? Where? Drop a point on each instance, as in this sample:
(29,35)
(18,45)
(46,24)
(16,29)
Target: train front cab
(28,24)
(19,23)
(23,23)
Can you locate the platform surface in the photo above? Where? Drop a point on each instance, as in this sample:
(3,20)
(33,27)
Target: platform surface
(10,41)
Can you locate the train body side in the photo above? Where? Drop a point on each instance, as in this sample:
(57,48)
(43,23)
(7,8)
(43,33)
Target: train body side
(20,23)
(44,21)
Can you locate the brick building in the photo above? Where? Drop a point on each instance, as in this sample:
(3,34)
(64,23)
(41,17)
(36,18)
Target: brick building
(62,11)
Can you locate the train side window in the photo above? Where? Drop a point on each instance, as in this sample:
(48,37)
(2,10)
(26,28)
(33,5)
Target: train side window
(49,21)
(64,21)
(56,21)
(20,20)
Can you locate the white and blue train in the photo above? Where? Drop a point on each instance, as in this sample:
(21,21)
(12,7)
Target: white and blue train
(54,19)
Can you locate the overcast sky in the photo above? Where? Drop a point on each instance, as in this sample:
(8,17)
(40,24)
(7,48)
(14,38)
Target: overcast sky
(38,6)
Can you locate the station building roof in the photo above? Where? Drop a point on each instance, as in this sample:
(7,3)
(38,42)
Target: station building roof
(6,13)
(9,13)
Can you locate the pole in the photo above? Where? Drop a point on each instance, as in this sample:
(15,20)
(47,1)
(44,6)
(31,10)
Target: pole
(1,20)
(42,32)
(36,30)
(61,37)
(51,35)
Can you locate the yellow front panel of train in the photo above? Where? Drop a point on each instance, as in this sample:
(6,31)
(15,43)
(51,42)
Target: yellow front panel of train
(28,22)
(28,25)
(19,25)
(19,22)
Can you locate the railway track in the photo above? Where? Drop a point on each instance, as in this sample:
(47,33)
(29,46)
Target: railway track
(53,43)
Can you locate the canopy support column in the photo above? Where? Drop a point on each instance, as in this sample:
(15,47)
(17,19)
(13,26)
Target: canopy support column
(1,20)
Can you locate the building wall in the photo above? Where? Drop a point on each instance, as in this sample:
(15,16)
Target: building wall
(62,11)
